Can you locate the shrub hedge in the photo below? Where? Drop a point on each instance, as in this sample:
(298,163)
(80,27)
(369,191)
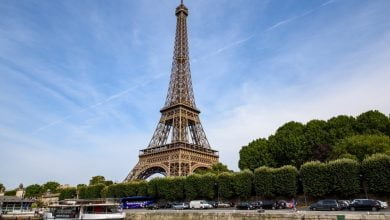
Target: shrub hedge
(339,177)
(376,173)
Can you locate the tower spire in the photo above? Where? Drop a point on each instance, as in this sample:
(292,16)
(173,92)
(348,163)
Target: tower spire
(179,145)
(180,90)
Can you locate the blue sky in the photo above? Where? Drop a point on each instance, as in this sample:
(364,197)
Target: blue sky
(82,82)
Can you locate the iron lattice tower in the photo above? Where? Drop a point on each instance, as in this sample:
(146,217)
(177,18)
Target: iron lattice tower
(179,145)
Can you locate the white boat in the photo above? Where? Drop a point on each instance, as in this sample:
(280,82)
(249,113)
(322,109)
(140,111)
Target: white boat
(84,211)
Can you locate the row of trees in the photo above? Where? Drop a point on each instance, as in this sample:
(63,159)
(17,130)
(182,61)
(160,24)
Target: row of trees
(343,136)
(341,178)
(344,176)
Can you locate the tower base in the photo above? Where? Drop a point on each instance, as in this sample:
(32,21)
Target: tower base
(177,159)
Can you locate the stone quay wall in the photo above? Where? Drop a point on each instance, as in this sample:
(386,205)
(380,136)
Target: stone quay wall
(252,216)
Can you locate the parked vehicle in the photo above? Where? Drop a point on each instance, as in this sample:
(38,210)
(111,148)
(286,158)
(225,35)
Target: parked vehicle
(383,204)
(344,204)
(256,204)
(182,205)
(166,205)
(326,204)
(200,204)
(152,206)
(223,205)
(283,204)
(214,204)
(365,204)
(268,204)
(245,206)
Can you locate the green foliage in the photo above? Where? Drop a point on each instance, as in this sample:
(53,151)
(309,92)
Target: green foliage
(51,186)
(10,192)
(294,143)
(269,182)
(2,187)
(372,122)
(80,185)
(142,188)
(34,190)
(91,192)
(68,193)
(288,145)
(376,172)
(171,188)
(263,182)
(318,139)
(243,184)
(344,177)
(216,168)
(254,155)
(362,146)
(207,183)
(285,181)
(96,180)
(340,127)
(315,179)
(153,187)
(225,185)
(191,186)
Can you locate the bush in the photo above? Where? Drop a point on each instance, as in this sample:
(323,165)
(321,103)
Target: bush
(243,184)
(208,183)
(225,185)
(344,177)
(263,181)
(285,181)
(269,182)
(68,193)
(315,178)
(91,192)
(191,186)
(10,192)
(376,172)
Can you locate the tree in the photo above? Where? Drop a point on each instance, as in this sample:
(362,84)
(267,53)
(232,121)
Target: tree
(376,172)
(34,190)
(68,193)
(340,127)
(216,168)
(315,179)
(263,182)
(372,122)
(2,187)
(318,139)
(344,177)
(91,192)
(255,154)
(96,180)
(362,146)
(52,186)
(208,186)
(191,186)
(285,180)
(243,184)
(288,145)
(80,185)
(225,185)
(10,192)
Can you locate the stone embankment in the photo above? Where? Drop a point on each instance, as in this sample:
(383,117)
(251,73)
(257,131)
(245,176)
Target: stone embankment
(253,216)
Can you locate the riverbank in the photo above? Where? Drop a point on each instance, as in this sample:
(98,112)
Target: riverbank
(253,215)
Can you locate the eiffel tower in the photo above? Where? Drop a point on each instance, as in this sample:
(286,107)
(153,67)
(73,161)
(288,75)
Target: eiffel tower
(179,145)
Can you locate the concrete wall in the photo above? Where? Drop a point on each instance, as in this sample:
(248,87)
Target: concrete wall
(249,216)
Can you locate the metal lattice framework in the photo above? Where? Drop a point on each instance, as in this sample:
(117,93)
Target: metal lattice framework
(179,144)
